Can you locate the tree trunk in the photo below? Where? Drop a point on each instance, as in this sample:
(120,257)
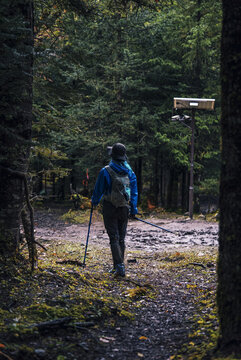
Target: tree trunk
(198,64)
(39,183)
(156,178)
(161,186)
(184,196)
(53,184)
(139,176)
(229,263)
(29,235)
(172,192)
(15,116)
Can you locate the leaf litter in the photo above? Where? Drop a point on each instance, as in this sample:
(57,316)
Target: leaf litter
(163,309)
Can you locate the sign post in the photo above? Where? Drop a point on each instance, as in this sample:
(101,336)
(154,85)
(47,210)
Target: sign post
(192,104)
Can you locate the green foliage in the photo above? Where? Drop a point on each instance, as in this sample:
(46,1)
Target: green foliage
(210,187)
(112,77)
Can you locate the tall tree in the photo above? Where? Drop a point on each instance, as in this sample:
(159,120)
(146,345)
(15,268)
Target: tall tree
(114,77)
(229,264)
(16,60)
(16,27)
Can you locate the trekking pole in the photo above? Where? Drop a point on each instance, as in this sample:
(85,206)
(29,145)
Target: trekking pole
(159,227)
(87,240)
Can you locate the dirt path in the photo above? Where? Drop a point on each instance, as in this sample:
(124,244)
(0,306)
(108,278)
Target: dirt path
(162,324)
(140,236)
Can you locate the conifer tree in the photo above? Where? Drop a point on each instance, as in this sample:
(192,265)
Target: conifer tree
(229,272)
(16,116)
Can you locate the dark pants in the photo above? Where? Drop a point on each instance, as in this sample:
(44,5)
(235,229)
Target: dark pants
(115,220)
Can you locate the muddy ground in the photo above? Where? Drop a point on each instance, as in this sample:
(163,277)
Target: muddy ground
(162,325)
(165,301)
(188,234)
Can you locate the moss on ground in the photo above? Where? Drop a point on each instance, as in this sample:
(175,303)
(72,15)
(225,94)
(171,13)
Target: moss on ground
(58,290)
(80,216)
(91,295)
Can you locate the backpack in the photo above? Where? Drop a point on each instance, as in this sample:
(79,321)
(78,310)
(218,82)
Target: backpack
(120,190)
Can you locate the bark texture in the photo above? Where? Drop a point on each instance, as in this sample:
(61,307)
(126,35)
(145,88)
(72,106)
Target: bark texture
(15,116)
(29,235)
(229,265)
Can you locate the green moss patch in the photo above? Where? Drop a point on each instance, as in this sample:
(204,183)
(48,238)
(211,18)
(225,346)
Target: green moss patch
(84,295)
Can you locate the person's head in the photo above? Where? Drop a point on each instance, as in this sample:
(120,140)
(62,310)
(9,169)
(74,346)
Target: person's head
(118,152)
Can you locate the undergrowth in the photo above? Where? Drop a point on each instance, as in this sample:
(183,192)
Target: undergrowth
(91,296)
(80,216)
(87,295)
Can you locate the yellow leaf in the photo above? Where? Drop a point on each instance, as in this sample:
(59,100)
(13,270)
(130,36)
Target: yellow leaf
(140,355)
(132,293)
(143,338)
(191,286)
(191,343)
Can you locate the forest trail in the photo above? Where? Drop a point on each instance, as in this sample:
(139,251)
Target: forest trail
(162,323)
(162,310)
(192,234)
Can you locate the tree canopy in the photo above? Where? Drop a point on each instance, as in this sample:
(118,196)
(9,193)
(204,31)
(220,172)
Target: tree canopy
(112,77)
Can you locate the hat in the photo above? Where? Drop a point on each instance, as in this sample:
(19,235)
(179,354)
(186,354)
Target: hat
(118,152)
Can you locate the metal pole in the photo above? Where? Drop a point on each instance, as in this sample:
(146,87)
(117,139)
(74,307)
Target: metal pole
(191,165)
(159,227)
(87,240)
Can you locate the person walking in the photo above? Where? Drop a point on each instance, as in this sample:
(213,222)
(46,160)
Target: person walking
(117,184)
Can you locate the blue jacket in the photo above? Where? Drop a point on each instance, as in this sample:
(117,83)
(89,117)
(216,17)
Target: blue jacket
(103,184)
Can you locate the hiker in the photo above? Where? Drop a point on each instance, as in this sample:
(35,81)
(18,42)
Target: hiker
(118,186)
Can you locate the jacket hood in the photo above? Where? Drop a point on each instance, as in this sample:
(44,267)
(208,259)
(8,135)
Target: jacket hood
(120,166)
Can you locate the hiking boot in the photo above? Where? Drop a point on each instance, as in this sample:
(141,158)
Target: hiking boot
(120,269)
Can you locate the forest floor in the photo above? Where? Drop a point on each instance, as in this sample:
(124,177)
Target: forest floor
(163,309)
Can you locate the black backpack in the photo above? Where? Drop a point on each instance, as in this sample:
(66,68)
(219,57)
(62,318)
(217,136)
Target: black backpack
(120,190)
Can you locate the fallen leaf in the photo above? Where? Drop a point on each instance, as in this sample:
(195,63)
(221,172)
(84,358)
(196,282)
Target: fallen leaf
(2,346)
(109,338)
(104,340)
(143,338)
